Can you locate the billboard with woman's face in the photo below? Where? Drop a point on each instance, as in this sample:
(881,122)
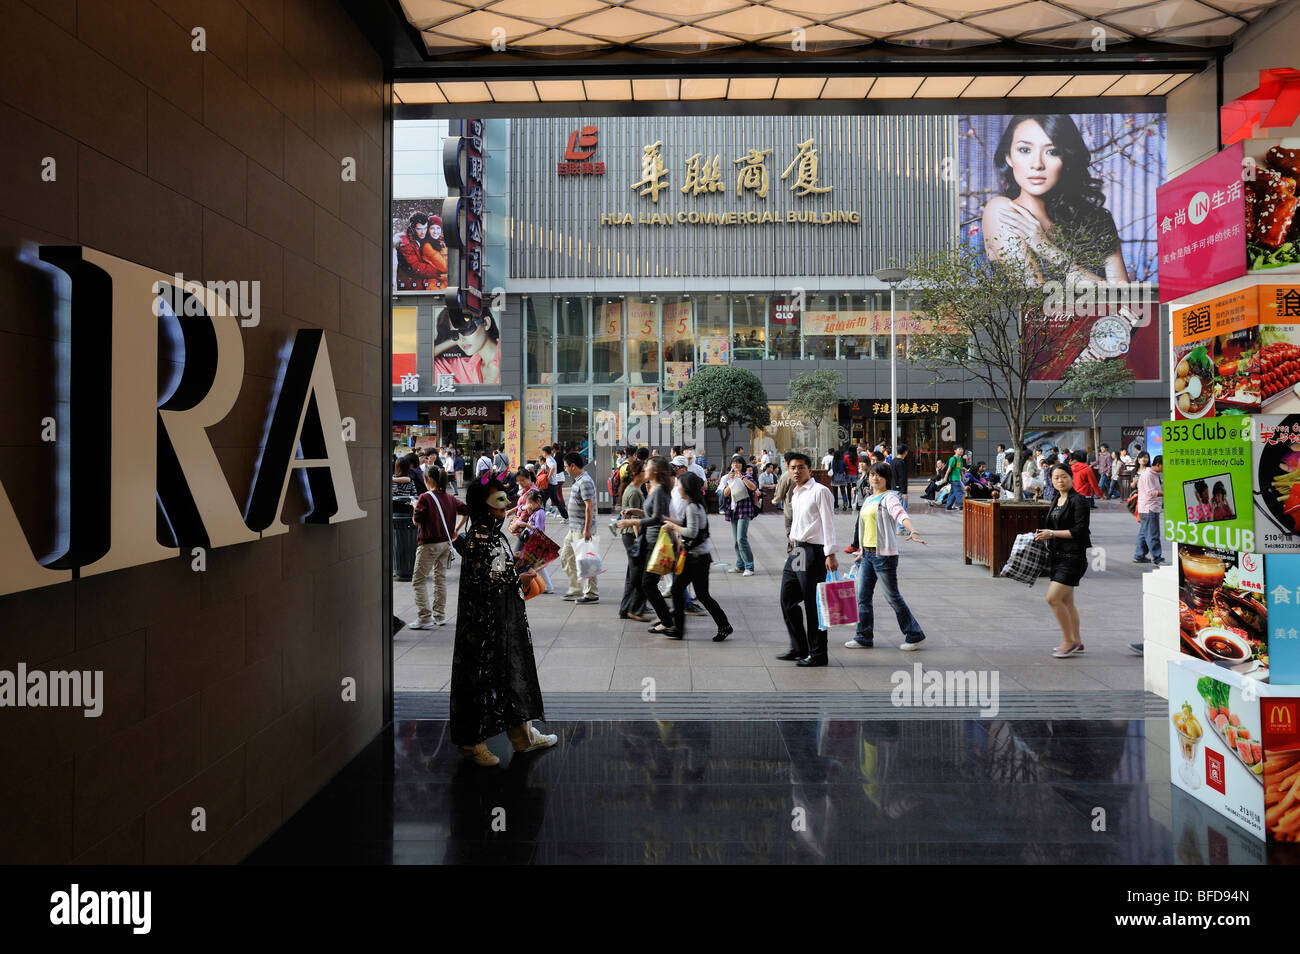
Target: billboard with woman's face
(1024,176)
(1073,199)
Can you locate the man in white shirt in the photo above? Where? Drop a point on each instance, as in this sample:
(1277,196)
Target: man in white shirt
(693,467)
(826,461)
(483,463)
(812,533)
(556,478)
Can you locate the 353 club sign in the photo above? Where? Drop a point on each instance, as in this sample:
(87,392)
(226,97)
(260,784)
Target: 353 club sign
(462,220)
(121,318)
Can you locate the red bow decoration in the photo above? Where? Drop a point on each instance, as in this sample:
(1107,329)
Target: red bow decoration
(1275,104)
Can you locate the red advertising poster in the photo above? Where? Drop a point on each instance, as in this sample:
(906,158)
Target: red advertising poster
(1127,333)
(1202,226)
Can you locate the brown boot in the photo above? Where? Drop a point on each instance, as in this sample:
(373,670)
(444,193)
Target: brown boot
(479,754)
(526,739)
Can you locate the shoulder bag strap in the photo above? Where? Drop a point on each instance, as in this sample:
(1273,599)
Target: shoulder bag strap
(441,516)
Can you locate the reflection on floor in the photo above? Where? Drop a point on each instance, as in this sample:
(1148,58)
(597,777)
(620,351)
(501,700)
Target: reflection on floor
(812,791)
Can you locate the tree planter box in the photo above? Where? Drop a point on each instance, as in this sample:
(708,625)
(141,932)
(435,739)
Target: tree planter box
(989,527)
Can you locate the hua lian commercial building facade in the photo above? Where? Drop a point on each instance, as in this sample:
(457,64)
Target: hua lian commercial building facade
(631,251)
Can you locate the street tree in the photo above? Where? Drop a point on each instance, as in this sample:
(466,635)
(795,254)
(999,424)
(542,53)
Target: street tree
(728,397)
(1000,323)
(813,395)
(1092,385)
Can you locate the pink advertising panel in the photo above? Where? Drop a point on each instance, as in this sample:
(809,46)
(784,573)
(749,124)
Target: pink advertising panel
(1201,218)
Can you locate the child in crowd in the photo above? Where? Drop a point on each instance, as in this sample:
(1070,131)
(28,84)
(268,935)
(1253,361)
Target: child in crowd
(535,515)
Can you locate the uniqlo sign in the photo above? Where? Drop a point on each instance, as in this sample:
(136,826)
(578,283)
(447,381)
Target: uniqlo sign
(1201,226)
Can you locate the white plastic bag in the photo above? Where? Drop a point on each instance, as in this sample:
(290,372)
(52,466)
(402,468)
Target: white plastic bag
(587,558)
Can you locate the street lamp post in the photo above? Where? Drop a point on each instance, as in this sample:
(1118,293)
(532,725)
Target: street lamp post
(891,277)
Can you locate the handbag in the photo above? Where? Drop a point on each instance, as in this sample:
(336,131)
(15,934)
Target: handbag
(837,602)
(544,479)
(1028,559)
(662,558)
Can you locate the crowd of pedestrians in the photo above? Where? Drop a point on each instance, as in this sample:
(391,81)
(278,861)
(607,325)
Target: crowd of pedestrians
(668,496)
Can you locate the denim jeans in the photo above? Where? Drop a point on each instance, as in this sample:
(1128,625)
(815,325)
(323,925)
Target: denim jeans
(740,537)
(1104,484)
(884,568)
(1149,537)
(955,495)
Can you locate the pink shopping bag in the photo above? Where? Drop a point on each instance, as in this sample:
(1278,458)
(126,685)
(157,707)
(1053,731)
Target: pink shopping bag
(837,602)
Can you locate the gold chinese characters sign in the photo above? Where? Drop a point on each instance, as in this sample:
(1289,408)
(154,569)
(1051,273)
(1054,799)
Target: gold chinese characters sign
(703,175)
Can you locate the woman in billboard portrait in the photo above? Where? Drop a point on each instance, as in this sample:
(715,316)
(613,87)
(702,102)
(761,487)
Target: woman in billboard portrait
(478,344)
(434,253)
(1050,199)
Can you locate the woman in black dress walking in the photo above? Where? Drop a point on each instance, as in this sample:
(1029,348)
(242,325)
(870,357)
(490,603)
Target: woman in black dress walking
(1068,539)
(493,673)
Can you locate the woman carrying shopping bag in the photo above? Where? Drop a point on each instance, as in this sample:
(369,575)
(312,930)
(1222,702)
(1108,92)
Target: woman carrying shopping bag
(881,513)
(494,684)
(694,536)
(1068,537)
(647,527)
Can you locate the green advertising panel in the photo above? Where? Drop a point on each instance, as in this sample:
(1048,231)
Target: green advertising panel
(1207,483)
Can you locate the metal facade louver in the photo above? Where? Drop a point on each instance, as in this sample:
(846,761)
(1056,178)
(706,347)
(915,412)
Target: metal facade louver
(889,169)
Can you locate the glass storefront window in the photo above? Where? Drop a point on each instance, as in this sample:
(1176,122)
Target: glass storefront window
(814,345)
(539,337)
(783,330)
(748,327)
(643,340)
(571,340)
(679,330)
(854,345)
(607,340)
(712,316)
(572,422)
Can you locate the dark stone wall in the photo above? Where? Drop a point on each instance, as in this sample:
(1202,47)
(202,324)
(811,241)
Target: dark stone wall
(222,687)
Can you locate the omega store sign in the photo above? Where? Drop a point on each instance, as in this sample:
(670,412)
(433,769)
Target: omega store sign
(161,488)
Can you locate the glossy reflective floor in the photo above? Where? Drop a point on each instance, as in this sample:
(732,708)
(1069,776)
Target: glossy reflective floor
(769,792)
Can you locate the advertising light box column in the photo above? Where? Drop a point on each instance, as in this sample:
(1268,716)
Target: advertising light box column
(1234,745)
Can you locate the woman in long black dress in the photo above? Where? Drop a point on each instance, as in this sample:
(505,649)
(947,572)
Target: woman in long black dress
(493,673)
(1068,539)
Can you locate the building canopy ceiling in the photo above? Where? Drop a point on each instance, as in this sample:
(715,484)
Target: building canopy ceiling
(700,28)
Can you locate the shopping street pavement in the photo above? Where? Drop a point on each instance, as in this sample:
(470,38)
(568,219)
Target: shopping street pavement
(972,621)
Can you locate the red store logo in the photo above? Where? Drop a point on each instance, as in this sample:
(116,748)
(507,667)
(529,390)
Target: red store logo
(577,156)
(1214,771)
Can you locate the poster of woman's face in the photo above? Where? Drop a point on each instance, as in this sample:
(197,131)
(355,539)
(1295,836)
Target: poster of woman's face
(466,349)
(1029,180)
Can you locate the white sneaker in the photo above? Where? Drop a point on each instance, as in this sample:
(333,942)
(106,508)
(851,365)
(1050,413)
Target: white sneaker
(911,647)
(426,625)
(748,573)
(439,622)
